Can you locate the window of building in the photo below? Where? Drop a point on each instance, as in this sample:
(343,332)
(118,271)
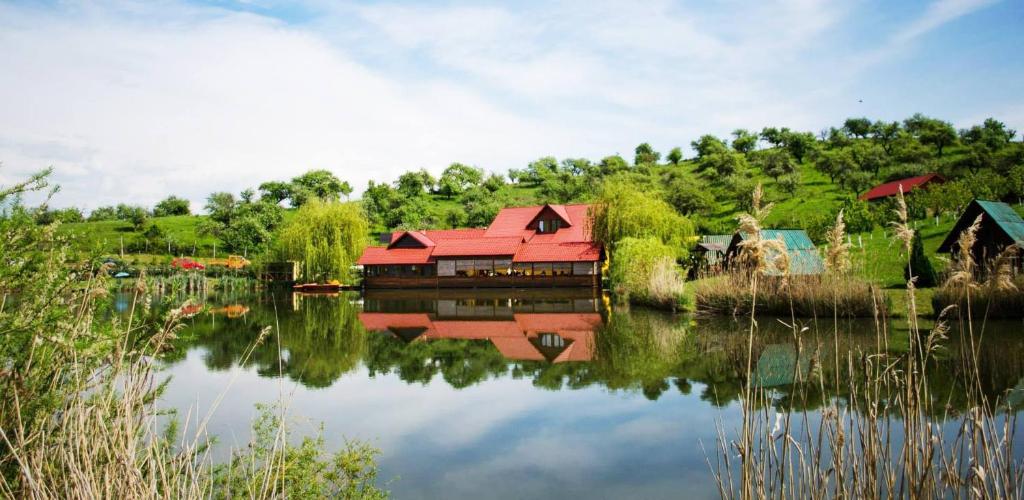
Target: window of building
(561,269)
(502,267)
(547,226)
(465,268)
(542,269)
(484,267)
(522,269)
(446,268)
(583,268)
(551,340)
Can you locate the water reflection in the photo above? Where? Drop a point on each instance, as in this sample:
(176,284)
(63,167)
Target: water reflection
(546,393)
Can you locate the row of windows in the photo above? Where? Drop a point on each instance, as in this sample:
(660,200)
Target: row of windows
(484,268)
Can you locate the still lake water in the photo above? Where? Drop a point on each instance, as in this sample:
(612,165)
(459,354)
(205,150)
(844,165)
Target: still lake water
(550,394)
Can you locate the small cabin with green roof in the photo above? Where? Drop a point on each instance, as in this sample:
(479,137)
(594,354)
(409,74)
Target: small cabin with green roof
(1001,227)
(804,259)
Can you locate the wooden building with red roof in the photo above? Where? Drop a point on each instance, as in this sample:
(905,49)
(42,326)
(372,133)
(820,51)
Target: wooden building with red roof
(539,246)
(882,191)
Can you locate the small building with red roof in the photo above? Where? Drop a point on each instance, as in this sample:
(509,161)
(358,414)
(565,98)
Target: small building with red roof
(888,189)
(539,246)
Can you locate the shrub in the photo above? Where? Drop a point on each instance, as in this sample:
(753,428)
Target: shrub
(624,210)
(920,266)
(644,271)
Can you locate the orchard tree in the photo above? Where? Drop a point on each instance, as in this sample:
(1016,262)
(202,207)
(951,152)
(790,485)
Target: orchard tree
(834,163)
(776,163)
(884,134)
(321,184)
(275,191)
(869,157)
(799,144)
(611,165)
(415,183)
(931,131)
(708,145)
(457,178)
(744,141)
(774,136)
(539,169)
(675,156)
(857,127)
(172,205)
(646,155)
(103,213)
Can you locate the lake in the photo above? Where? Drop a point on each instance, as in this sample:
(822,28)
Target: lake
(506,394)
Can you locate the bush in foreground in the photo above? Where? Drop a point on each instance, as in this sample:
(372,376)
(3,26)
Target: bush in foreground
(643,271)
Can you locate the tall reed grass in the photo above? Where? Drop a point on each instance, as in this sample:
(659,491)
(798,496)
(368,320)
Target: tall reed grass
(881,433)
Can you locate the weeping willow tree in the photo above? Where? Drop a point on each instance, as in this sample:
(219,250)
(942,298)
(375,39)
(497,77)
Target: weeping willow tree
(325,238)
(626,210)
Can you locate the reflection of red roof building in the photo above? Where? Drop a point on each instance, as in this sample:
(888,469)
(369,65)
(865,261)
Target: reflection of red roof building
(548,245)
(554,337)
(893,188)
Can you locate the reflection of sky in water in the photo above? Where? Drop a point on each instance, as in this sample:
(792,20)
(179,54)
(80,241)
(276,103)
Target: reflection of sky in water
(501,438)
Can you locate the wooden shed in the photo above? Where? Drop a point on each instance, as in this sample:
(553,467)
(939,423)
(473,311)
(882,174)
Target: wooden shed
(1001,227)
(709,255)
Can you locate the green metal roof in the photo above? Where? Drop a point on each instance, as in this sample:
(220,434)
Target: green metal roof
(778,366)
(803,255)
(1005,216)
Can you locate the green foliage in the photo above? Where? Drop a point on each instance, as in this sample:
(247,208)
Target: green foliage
(68,215)
(326,238)
(689,196)
(920,266)
(675,156)
(645,155)
(931,131)
(624,210)
(857,127)
(275,191)
(172,205)
(320,184)
(103,213)
(415,183)
(611,165)
(481,206)
(245,225)
(776,162)
(744,141)
(457,178)
(639,263)
(708,145)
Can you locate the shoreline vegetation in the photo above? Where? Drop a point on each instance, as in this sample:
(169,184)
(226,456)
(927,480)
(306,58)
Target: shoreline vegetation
(881,433)
(79,391)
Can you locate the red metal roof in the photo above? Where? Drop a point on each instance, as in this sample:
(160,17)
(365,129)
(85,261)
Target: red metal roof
(558,252)
(893,188)
(508,234)
(477,247)
(383,255)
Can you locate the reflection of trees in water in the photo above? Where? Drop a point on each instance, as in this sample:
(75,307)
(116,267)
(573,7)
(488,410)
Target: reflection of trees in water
(320,339)
(640,351)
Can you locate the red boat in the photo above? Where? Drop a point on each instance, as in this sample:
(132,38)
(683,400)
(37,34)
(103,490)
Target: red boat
(187,263)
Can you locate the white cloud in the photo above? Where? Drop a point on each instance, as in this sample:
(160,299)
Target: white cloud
(132,102)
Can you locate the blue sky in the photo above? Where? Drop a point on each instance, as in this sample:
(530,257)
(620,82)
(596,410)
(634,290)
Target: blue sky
(132,101)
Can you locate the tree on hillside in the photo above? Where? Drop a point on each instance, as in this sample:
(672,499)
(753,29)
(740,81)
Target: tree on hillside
(931,131)
(744,141)
(380,202)
(776,162)
(774,136)
(494,182)
(275,191)
(708,145)
(799,144)
(244,225)
(857,127)
(646,155)
(578,166)
(992,134)
(885,133)
(172,205)
(481,206)
(103,213)
(610,165)
(837,138)
(689,196)
(834,163)
(724,163)
(538,169)
(319,183)
(675,156)
(869,157)
(415,183)
(457,178)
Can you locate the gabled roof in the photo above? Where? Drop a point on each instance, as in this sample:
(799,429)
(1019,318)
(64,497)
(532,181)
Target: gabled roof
(1001,215)
(419,236)
(893,188)
(508,234)
(715,242)
(803,255)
